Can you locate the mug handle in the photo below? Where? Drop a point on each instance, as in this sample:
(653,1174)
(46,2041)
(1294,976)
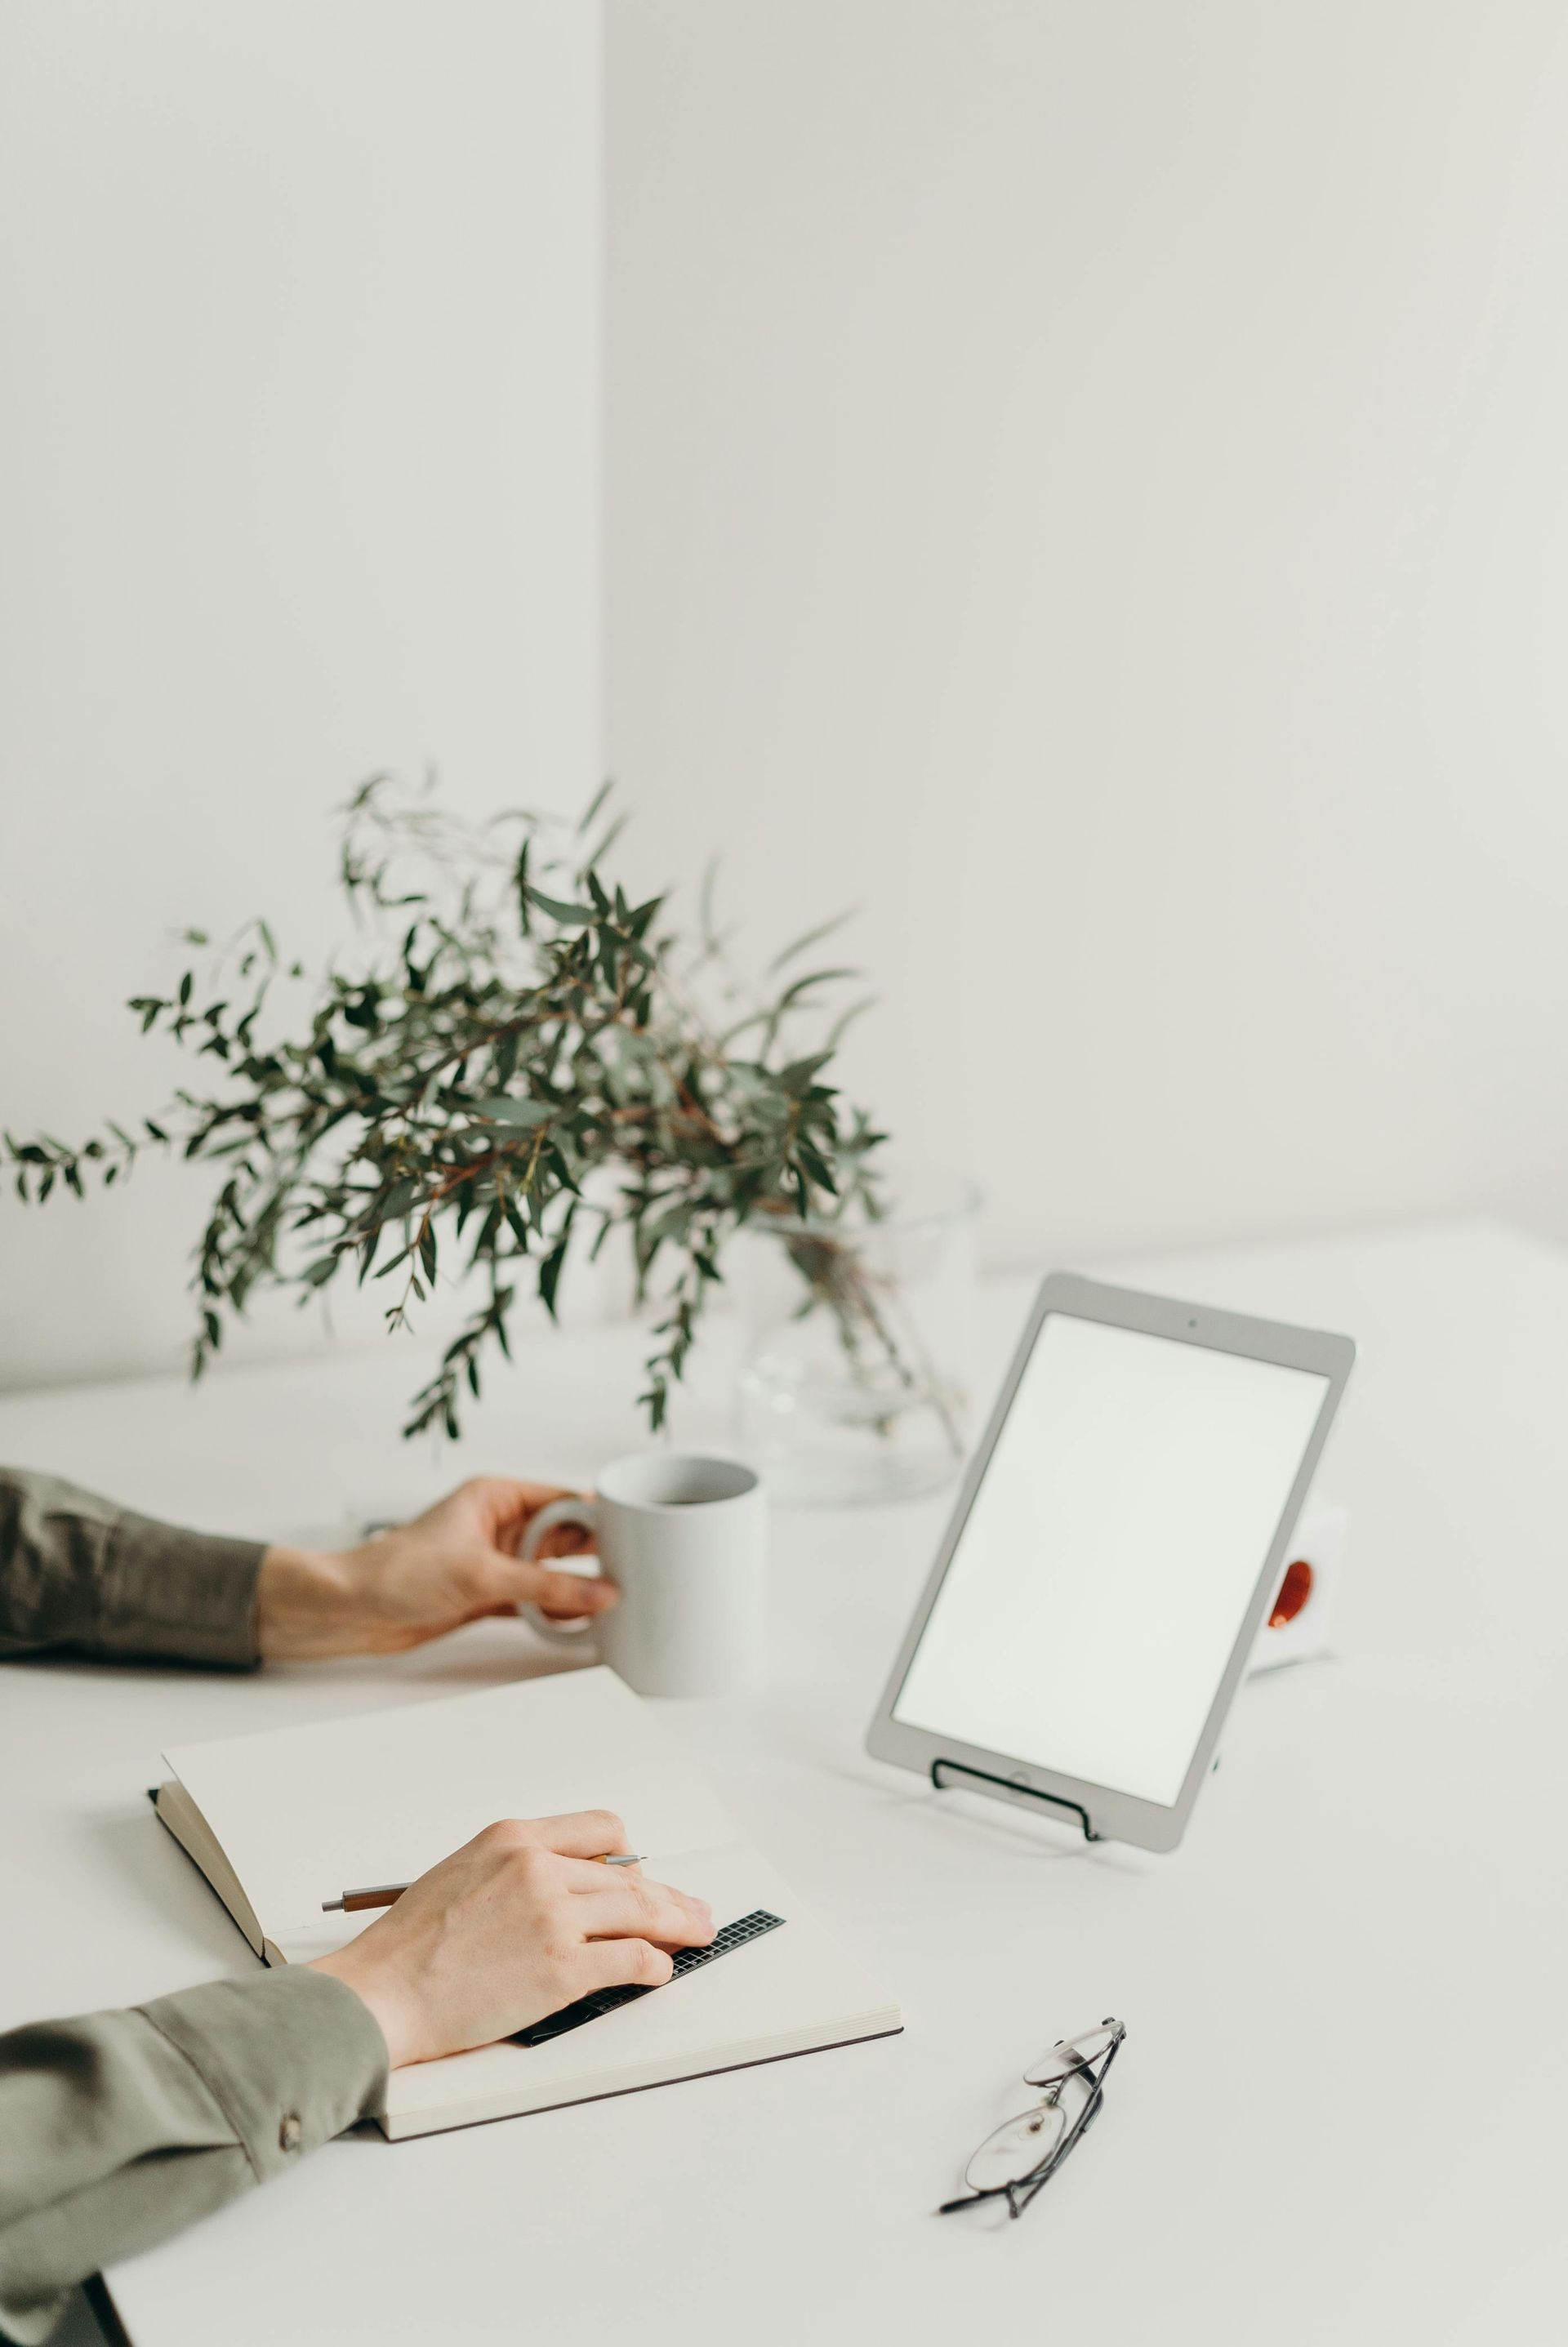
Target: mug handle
(559,1511)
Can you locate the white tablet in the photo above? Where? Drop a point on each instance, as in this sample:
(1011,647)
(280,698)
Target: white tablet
(1121,1532)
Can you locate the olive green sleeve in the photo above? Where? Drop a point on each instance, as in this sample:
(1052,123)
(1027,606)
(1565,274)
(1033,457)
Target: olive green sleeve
(120,2128)
(77,1572)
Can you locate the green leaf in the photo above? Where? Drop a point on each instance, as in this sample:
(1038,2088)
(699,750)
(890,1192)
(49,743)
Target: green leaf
(550,1268)
(549,1278)
(596,802)
(524,1114)
(520,882)
(812,937)
(606,840)
(316,1275)
(818,1171)
(709,882)
(791,994)
(846,1019)
(570,915)
(796,1078)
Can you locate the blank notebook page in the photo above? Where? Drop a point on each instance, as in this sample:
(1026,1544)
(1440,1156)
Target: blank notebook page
(305,1813)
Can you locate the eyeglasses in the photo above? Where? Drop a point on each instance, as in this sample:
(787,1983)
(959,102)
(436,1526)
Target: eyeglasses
(1025,2152)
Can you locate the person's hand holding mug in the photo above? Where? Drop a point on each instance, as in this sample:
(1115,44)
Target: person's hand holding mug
(456,1562)
(511,1927)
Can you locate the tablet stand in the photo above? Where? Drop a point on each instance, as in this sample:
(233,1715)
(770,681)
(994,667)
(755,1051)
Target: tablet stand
(962,1769)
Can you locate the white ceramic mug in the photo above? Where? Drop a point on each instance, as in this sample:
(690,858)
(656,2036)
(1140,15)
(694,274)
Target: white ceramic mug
(685,1541)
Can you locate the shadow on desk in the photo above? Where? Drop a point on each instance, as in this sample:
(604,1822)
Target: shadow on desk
(482,1654)
(147,1857)
(971,1816)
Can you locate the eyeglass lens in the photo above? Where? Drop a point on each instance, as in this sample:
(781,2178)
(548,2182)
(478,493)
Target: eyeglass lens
(1070,2054)
(1017,2149)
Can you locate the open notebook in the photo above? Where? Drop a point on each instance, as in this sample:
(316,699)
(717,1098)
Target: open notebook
(280,1822)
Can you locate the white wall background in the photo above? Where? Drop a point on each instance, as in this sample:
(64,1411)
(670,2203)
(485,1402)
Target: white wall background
(1090,483)
(298,479)
(1087,483)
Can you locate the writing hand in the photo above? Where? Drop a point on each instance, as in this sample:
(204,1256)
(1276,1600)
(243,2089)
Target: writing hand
(511,1927)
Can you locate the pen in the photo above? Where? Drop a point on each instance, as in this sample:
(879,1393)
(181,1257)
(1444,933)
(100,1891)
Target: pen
(386,1894)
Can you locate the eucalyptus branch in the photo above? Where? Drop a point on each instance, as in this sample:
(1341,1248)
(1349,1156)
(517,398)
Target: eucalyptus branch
(508,1023)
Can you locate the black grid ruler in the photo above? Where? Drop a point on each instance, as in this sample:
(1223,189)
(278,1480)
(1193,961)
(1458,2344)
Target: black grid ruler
(686,1959)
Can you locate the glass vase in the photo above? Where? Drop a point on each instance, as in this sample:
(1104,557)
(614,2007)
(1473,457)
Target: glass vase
(855,1384)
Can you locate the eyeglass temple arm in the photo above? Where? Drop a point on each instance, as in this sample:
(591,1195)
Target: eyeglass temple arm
(971,2200)
(1029,2187)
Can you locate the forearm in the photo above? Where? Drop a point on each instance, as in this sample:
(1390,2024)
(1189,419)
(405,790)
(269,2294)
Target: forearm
(311,1603)
(78,1573)
(117,2129)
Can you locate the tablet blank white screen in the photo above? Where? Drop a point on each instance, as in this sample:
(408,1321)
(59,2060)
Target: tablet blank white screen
(1090,1608)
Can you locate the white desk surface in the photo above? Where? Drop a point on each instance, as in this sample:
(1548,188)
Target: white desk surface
(1339,2113)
